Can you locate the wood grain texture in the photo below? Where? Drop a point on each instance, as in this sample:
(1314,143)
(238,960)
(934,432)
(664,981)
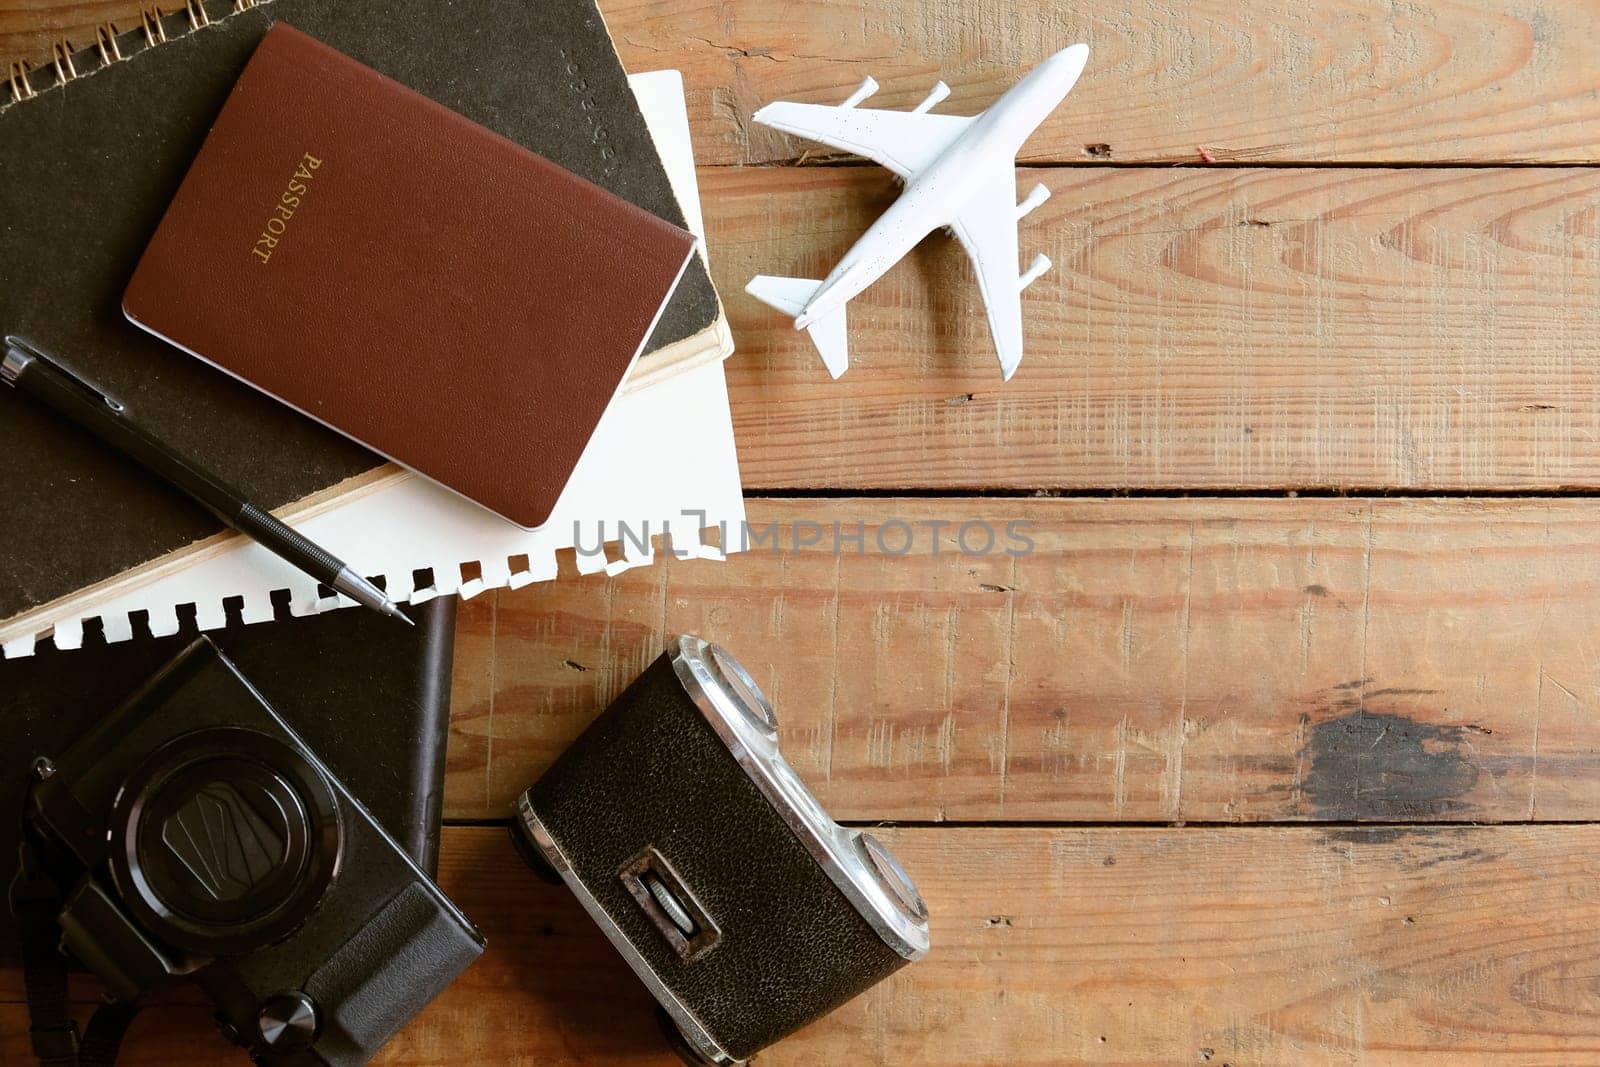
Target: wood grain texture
(1243,946)
(1148,660)
(1417,662)
(28,28)
(1265,80)
(1421,328)
(1357,80)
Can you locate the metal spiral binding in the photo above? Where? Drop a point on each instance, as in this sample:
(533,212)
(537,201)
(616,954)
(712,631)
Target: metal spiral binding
(61,59)
(105,43)
(155,31)
(20,89)
(108,47)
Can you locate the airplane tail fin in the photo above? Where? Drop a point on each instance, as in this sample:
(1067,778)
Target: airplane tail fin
(790,296)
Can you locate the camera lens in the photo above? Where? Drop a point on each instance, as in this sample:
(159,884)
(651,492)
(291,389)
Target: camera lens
(893,877)
(751,700)
(224,840)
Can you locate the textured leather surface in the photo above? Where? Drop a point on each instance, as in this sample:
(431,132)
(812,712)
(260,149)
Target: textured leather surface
(369,695)
(651,771)
(89,169)
(406,943)
(427,287)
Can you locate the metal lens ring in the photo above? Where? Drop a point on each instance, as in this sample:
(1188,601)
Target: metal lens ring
(893,877)
(725,680)
(224,840)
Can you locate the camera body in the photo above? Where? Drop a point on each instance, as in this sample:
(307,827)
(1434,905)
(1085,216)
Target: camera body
(683,832)
(193,834)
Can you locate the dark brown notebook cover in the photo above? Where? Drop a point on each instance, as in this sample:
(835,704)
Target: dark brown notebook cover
(439,293)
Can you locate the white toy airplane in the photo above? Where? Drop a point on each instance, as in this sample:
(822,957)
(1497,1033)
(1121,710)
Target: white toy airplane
(958,172)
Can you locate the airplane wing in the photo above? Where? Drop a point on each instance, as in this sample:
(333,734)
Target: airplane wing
(903,141)
(987,229)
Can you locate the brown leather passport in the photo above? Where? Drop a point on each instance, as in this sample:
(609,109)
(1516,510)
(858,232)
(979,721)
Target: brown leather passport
(434,291)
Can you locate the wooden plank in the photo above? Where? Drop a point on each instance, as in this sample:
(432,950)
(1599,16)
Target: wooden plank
(1266,945)
(1147,660)
(1345,328)
(29,27)
(1365,80)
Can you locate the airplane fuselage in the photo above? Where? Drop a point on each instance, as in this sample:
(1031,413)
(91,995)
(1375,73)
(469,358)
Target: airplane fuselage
(949,183)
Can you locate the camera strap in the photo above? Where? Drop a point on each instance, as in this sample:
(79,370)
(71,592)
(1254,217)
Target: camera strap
(36,902)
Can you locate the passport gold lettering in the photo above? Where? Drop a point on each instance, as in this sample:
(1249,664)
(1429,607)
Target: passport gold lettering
(277,225)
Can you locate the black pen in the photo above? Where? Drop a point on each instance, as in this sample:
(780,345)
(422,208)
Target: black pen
(30,371)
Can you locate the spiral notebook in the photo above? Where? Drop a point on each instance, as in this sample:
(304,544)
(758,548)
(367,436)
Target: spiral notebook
(626,496)
(94,157)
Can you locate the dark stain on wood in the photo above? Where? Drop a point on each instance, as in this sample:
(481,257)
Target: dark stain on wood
(1368,760)
(1376,835)
(1424,846)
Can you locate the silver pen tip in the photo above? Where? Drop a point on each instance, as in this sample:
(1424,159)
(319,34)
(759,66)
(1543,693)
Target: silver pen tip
(365,593)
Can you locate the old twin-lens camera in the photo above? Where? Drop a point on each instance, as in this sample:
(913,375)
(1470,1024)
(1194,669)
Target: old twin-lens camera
(743,907)
(193,834)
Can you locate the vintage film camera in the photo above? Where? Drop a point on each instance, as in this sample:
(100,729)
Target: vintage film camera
(193,834)
(743,907)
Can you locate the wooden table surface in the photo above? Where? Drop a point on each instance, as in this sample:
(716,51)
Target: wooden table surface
(1281,746)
